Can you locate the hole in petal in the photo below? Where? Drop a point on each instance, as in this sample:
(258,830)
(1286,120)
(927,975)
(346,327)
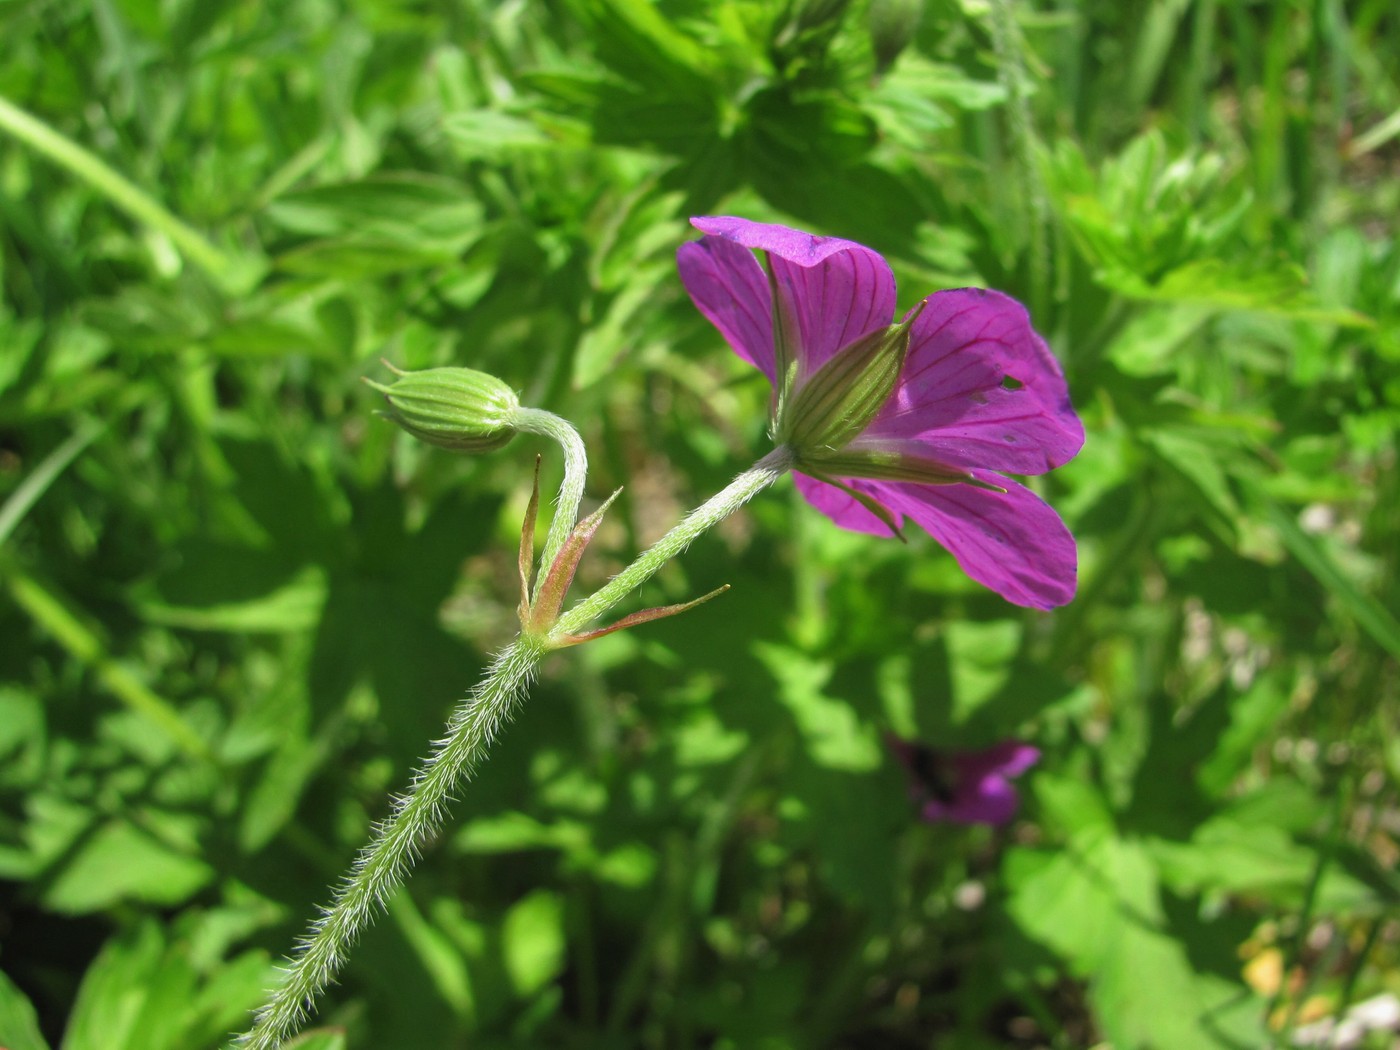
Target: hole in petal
(1011,383)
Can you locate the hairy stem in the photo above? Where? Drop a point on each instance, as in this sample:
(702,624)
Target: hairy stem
(714,510)
(547,424)
(382,865)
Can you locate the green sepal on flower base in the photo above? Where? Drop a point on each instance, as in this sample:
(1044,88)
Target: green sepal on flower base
(819,419)
(459,409)
(539,615)
(837,402)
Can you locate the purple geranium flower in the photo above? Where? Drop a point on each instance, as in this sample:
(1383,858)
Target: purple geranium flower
(965,787)
(887,421)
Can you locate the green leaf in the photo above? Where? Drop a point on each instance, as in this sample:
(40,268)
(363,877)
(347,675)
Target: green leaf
(617,331)
(1096,904)
(1080,899)
(632,865)
(981,654)
(119,862)
(832,734)
(20,338)
(114,993)
(636,37)
(918,98)
(274,799)
(1370,615)
(395,203)
(1254,714)
(1197,461)
(512,831)
(319,1039)
(488,133)
(290,604)
(532,941)
(440,958)
(377,226)
(1229,855)
(1151,341)
(19,1024)
(144,992)
(1280,290)
(22,737)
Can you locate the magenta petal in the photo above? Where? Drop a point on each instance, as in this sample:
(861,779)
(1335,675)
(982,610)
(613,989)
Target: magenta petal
(803,249)
(994,801)
(953,399)
(1010,758)
(842,508)
(730,288)
(837,290)
(1011,541)
(966,787)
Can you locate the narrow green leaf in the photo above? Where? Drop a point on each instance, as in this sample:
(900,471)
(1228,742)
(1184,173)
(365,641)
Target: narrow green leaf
(1370,615)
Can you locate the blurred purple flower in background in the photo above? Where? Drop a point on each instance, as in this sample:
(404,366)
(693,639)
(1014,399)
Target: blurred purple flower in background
(965,787)
(914,419)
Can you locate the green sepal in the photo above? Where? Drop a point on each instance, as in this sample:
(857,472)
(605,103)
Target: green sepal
(644,616)
(870,503)
(526,559)
(837,402)
(787,350)
(882,463)
(538,617)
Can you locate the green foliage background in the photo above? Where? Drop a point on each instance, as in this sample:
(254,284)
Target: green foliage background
(237,607)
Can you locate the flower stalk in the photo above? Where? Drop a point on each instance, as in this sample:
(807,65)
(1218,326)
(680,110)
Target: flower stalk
(547,424)
(380,868)
(704,517)
(417,816)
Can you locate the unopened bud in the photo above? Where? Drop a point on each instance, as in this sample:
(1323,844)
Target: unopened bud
(459,409)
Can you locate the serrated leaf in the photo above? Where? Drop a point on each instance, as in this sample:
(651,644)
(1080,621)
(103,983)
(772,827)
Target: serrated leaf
(119,862)
(1228,855)
(1281,290)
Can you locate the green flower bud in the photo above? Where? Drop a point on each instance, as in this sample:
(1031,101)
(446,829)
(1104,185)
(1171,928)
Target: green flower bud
(458,409)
